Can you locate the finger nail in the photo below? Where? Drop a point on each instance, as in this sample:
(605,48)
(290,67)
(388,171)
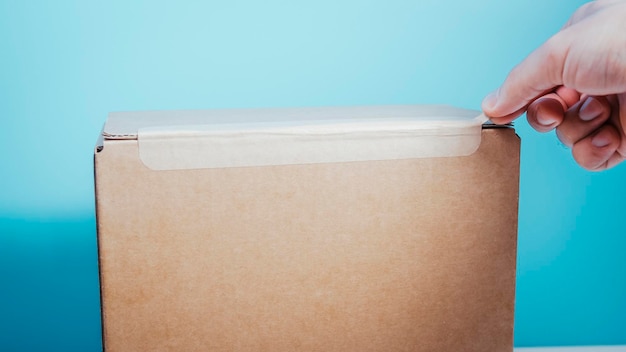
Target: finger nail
(543,120)
(601,140)
(543,117)
(590,109)
(490,101)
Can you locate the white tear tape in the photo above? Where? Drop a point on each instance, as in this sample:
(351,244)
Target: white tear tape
(245,145)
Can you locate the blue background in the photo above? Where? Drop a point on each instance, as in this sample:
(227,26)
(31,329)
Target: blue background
(65,64)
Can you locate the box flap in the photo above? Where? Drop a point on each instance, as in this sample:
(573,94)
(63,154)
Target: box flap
(170,140)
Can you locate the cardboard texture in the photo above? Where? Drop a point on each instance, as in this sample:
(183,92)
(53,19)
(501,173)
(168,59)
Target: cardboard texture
(384,255)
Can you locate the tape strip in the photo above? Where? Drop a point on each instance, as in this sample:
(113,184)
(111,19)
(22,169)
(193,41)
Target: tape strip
(285,143)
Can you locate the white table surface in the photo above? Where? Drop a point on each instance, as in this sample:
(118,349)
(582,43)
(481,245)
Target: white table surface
(573,349)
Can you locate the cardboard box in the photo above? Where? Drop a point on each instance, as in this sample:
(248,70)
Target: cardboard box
(386,228)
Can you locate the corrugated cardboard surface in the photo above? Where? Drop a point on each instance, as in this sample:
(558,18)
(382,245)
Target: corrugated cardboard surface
(397,255)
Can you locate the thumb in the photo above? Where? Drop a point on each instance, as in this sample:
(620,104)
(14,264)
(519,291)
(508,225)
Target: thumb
(539,73)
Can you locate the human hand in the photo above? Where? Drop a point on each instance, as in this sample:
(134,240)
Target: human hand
(575,82)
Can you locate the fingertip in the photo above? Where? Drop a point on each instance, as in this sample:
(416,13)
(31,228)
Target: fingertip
(594,152)
(491,99)
(545,113)
(500,120)
(604,138)
(594,107)
(503,120)
(489,104)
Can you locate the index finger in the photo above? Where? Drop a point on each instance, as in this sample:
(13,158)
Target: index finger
(538,74)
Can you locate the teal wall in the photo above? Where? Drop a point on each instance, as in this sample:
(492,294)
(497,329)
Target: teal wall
(65,64)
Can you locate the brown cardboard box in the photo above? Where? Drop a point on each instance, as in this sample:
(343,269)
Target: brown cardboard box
(329,229)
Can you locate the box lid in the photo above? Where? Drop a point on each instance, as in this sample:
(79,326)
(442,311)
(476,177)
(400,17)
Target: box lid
(170,140)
